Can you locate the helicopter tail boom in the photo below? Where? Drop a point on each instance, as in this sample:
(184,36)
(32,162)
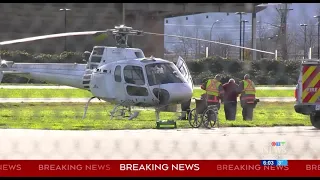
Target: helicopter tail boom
(57,73)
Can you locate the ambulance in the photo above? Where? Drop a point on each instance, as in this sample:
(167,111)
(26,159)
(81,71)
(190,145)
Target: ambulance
(307,92)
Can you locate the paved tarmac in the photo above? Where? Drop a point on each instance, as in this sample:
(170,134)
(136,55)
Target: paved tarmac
(223,143)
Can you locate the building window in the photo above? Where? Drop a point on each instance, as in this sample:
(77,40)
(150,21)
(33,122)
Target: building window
(134,75)
(117,74)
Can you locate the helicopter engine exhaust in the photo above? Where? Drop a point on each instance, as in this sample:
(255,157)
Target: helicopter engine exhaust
(162,95)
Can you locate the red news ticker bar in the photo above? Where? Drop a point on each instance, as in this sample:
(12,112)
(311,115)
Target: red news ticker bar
(164,168)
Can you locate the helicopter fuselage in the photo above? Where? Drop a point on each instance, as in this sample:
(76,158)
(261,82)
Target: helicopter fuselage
(117,75)
(138,83)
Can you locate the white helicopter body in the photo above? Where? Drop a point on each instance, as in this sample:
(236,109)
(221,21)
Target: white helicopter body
(120,75)
(144,90)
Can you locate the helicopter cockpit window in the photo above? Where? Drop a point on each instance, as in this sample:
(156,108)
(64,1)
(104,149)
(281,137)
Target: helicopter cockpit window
(98,51)
(139,54)
(133,75)
(117,74)
(96,59)
(163,73)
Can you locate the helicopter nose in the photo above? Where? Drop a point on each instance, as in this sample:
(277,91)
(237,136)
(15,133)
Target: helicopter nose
(181,93)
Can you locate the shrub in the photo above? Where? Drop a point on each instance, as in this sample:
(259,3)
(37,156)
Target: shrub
(266,72)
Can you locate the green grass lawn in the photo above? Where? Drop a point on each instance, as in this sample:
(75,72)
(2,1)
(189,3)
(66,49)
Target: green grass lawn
(68,116)
(78,93)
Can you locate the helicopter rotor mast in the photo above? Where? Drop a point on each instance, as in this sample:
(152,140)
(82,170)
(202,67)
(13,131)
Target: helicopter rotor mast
(121,34)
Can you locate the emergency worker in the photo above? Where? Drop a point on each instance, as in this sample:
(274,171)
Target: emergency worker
(230,99)
(248,97)
(214,91)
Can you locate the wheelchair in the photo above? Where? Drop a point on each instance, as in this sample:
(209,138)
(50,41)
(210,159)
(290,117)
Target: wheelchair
(203,114)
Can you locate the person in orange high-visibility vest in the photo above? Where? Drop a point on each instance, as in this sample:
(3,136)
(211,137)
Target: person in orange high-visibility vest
(248,97)
(214,91)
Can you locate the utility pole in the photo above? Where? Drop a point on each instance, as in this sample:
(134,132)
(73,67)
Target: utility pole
(283,30)
(65,26)
(318,17)
(305,40)
(240,13)
(243,39)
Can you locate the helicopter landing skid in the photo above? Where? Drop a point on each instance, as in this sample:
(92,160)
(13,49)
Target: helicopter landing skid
(86,107)
(121,111)
(164,124)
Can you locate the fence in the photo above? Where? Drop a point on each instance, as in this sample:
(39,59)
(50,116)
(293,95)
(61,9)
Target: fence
(63,134)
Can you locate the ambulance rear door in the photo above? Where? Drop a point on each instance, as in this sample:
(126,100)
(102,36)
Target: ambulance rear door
(310,83)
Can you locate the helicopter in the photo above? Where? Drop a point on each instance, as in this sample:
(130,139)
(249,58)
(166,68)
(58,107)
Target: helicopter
(120,75)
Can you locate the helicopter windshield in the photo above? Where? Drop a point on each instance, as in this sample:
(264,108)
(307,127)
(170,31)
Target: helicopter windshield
(163,73)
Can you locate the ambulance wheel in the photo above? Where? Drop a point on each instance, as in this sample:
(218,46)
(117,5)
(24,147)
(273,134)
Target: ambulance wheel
(315,120)
(195,120)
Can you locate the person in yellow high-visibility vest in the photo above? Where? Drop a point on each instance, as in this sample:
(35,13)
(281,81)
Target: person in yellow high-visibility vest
(248,97)
(214,91)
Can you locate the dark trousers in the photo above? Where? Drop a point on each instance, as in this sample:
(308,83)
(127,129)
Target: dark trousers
(247,110)
(185,107)
(230,110)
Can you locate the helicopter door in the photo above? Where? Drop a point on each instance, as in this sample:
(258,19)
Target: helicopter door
(183,68)
(135,84)
(118,84)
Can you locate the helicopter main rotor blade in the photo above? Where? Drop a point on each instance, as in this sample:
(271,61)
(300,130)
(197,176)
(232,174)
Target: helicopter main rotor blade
(191,38)
(35,38)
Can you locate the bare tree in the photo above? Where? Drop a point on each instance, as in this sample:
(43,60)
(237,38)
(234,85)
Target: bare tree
(183,45)
(311,34)
(262,36)
(197,30)
(222,50)
(307,35)
(294,42)
(281,18)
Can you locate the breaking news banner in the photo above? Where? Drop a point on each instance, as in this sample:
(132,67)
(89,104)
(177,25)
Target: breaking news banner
(159,168)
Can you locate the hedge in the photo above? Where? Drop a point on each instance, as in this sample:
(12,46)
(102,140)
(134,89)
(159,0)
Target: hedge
(25,57)
(263,72)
